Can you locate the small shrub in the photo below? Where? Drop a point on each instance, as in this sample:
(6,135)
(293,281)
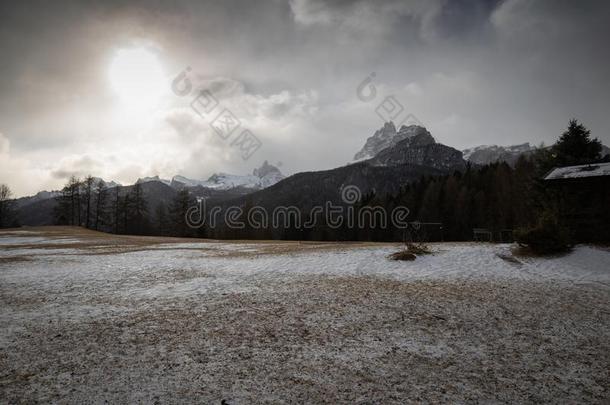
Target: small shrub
(403,255)
(412,250)
(418,248)
(547,237)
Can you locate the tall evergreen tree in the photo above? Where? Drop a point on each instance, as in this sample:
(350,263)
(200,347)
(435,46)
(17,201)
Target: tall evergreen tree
(575,146)
(177,211)
(137,210)
(125,207)
(162,223)
(117,209)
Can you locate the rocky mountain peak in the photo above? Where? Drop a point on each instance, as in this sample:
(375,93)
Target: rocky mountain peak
(149,179)
(266,169)
(486,154)
(381,139)
(410,145)
(387,136)
(414,135)
(262,177)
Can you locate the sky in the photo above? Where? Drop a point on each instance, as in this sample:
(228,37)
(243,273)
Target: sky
(128,89)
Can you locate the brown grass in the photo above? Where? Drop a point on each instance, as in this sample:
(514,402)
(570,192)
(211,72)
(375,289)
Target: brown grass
(92,242)
(14,259)
(403,255)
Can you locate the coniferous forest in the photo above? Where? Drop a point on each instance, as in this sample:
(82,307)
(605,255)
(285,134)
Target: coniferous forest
(499,200)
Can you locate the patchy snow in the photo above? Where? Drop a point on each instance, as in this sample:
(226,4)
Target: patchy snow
(246,322)
(497,150)
(263,177)
(20,240)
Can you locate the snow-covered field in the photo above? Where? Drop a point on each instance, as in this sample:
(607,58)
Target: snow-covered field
(87,317)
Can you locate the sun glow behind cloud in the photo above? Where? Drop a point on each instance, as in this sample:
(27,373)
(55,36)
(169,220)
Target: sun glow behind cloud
(475,72)
(137,78)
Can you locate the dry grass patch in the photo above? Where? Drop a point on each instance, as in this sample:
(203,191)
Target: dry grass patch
(411,251)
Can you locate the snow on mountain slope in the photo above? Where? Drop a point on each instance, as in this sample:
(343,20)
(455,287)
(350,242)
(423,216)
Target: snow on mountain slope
(153,178)
(387,137)
(485,154)
(381,139)
(263,177)
(45,195)
(107,184)
(41,195)
(412,145)
(226,181)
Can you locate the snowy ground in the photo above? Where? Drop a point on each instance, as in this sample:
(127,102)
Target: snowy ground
(87,317)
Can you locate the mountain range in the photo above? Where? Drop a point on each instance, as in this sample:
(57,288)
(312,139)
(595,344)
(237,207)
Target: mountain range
(38,209)
(263,177)
(486,154)
(387,136)
(388,160)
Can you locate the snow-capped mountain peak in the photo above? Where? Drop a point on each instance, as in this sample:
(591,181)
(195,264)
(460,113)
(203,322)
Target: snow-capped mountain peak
(153,178)
(485,154)
(181,181)
(387,136)
(263,177)
(106,184)
(381,139)
(268,174)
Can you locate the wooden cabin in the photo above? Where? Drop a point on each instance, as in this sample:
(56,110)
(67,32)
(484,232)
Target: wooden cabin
(583,195)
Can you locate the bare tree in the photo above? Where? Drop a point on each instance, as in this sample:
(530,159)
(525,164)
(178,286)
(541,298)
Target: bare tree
(67,211)
(72,194)
(88,186)
(63,210)
(116,209)
(100,205)
(77,198)
(6,206)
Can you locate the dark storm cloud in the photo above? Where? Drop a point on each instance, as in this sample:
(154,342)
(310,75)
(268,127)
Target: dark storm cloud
(473,71)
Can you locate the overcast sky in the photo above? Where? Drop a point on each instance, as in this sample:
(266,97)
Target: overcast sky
(72,99)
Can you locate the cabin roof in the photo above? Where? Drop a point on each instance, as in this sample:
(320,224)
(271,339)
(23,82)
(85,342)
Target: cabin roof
(580,171)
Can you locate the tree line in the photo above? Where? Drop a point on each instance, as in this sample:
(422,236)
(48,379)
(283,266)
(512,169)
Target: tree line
(497,197)
(92,204)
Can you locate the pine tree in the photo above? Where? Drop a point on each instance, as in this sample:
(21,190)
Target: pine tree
(177,212)
(575,146)
(137,209)
(162,221)
(124,209)
(448,209)
(117,209)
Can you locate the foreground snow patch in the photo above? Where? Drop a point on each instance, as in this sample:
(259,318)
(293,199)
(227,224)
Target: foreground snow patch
(133,320)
